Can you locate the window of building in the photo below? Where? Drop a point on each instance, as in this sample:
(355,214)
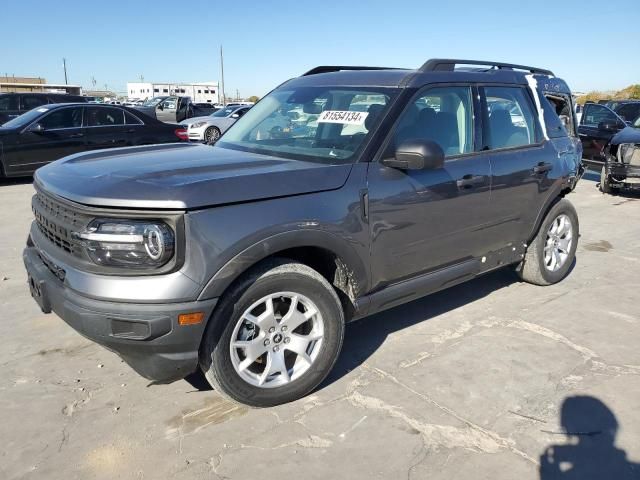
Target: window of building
(165,90)
(156,90)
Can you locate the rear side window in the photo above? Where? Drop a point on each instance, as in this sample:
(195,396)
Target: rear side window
(594,114)
(32,101)
(443,115)
(131,119)
(509,120)
(63,118)
(104,116)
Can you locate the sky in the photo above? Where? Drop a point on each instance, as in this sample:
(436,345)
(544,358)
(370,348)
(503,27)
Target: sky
(268,42)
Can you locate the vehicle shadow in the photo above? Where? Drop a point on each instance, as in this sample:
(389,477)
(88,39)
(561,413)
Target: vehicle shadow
(15,181)
(363,337)
(589,450)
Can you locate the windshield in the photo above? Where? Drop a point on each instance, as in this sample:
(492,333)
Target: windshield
(26,118)
(327,124)
(225,112)
(152,102)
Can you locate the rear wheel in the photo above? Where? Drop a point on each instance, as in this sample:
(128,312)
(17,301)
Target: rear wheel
(211,135)
(605,186)
(551,253)
(275,335)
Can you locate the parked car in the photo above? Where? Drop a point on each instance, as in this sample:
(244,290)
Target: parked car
(50,132)
(15,104)
(248,258)
(209,128)
(628,110)
(598,124)
(621,160)
(173,109)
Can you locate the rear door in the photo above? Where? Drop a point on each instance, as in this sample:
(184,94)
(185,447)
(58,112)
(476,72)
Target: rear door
(520,162)
(598,124)
(424,220)
(62,135)
(105,127)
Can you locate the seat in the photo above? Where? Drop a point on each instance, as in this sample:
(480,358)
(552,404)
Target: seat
(503,133)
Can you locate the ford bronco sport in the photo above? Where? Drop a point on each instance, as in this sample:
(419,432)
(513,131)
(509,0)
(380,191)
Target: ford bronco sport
(247,258)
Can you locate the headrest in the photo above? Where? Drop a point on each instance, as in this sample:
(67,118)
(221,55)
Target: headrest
(374,110)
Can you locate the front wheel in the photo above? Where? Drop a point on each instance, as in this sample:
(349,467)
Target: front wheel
(211,135)
(551,253)
(605,186)
(275,335)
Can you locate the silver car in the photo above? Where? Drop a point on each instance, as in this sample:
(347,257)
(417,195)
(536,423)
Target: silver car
(209,128)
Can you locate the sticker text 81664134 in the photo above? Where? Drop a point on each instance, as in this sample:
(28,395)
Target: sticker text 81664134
(344,117)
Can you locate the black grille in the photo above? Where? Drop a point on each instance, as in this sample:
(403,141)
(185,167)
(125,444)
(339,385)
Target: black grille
(57,222)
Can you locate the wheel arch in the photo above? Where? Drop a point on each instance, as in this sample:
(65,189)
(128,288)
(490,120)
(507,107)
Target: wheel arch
(333,257)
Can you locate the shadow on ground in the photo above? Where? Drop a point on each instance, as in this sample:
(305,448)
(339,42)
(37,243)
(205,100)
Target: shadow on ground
(15,181)
(589,452)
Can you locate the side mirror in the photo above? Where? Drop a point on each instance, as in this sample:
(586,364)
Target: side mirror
(609,126)
(36,128)
(416,155)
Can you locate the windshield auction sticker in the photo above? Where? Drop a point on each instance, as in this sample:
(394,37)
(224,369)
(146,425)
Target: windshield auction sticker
(343,116)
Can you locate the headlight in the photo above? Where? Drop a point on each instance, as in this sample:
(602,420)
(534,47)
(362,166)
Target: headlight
(629,153)
(198,124)
(128,243)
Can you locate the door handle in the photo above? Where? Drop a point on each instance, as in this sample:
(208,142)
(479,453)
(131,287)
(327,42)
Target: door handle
(469,181)
(76,135)
(131,130)
(542,167)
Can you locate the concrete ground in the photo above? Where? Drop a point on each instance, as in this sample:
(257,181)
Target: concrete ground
(469,383)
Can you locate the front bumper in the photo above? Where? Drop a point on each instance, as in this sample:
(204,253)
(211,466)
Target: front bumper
(146,336)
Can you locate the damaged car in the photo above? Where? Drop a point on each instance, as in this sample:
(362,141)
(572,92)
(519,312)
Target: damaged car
(621,156)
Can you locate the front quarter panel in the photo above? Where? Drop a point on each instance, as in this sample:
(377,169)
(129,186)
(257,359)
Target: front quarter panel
(225,241)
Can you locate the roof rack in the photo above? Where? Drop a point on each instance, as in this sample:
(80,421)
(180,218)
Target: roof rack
(337,68)
(449,64)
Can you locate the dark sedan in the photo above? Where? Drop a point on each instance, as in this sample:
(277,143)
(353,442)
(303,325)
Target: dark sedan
(50,132)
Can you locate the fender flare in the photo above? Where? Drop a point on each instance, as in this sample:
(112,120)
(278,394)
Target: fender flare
(271,245)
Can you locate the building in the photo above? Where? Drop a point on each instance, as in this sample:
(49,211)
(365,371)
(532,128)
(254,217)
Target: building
(203,92)
(36,84)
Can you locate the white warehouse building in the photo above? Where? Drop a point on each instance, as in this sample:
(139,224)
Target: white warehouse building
(202,92)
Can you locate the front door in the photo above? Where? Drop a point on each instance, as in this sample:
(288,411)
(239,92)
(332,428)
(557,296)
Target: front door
(597,125)
(422,220)
(167,109)
(61,135)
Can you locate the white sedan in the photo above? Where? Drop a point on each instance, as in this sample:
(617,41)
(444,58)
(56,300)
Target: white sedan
(209,128)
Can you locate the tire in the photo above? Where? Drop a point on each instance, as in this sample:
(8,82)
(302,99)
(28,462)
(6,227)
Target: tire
(283,279)
(211,135)
(605,187)
(537,267)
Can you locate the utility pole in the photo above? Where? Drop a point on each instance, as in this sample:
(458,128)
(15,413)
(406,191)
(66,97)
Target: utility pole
(237,95)
(93,81)
(64,65)
(224,100)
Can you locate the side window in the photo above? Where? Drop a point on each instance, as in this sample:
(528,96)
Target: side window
(8,102)
(241,112)
(63,118)
(509,118)
(594,114)
(630,111)
(104,117)
(131,119)
(170,103)
(32,101)
(443,115)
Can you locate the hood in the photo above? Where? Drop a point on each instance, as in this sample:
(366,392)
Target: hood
(192,120)
(626,135)
(182,176)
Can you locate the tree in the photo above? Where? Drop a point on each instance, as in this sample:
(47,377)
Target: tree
(254,98)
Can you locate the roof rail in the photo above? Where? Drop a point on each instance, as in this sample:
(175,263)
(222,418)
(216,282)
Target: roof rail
(337,68)
(449,64)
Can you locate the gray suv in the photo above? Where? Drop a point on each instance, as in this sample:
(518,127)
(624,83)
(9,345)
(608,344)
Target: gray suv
(246,259)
